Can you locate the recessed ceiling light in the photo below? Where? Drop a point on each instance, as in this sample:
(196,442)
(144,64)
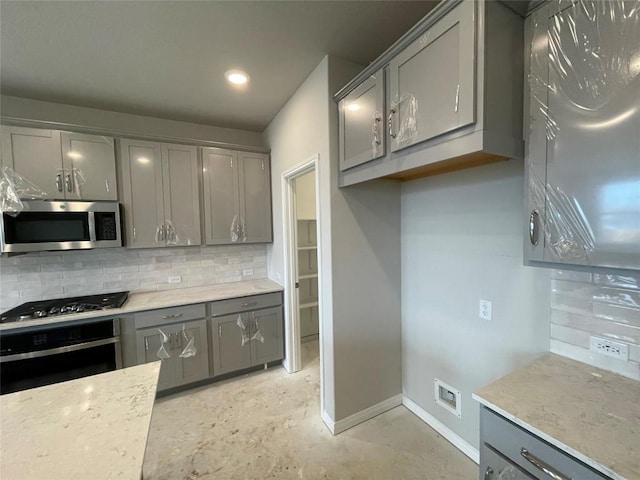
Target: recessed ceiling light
(236,77)
(354,107)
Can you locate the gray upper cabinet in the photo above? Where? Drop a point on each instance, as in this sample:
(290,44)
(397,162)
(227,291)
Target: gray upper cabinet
(433,81)
(160,193)
(237,196)
(90,159)
(255,197)
(583,142)
(453,95)
(362,114)
(64,165)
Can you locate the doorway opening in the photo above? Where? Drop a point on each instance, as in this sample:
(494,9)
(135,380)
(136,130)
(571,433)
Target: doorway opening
(302,252)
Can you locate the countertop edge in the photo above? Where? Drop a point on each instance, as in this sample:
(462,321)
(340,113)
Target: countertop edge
(548,438)
(269,286)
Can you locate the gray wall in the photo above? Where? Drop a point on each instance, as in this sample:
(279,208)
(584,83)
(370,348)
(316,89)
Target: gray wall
(360,257)
(126,123)
(461,242)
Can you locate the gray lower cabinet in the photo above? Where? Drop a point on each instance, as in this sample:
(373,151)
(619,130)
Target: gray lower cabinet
(182,348)
(509,451)
(237,196)
(246,332)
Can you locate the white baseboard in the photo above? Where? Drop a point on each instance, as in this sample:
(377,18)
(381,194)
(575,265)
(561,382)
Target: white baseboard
(443,430)
(362,416)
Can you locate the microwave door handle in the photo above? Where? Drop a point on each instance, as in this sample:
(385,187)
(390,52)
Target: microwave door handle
(92,226)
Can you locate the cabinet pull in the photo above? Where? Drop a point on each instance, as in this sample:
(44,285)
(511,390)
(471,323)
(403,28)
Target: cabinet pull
(173,315)
(376,136)
(543,466)
(488,473)
(390,123)
(67,182)
(158,234)
(457,98)
(59,182)
(146,343)
(534,227)
(250,304)
(220,331)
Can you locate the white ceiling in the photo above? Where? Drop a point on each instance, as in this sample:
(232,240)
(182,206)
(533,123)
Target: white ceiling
(167,58)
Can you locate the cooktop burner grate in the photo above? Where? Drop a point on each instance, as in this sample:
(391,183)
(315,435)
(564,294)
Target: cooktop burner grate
(62,306)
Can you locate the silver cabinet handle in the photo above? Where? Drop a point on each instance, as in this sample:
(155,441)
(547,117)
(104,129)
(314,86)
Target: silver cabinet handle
(457,98)
(376,136)
(59,182)
(220,331)
(488,473)
(158,234)
(250,304)
(67,182)
(146,343)
(173,315)
(390,123)
(534,227)
(543,466)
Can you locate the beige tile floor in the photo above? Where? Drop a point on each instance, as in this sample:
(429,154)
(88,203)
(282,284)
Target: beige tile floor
(267,425)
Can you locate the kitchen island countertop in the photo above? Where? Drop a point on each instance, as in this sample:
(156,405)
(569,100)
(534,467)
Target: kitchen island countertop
(141,301)
(592,414)
(94,427)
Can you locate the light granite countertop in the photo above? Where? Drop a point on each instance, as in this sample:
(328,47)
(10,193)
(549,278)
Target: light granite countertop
(587,412)
(141,301)
(94,427)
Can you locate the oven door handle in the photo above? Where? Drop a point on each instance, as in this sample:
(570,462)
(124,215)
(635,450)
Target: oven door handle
(55,351)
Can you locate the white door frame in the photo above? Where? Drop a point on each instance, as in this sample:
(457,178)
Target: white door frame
(293,358)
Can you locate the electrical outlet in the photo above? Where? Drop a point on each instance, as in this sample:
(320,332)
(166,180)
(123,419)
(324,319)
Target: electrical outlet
(484,311)
(247,271)
(174,279)
(609,348)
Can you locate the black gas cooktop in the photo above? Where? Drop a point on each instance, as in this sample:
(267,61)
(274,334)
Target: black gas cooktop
(62,306)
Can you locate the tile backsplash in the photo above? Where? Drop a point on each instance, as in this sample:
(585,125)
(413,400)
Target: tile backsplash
(47,275)
(607,306)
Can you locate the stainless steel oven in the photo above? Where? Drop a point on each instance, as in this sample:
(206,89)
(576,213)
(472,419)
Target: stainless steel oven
(46,355)
(50,225)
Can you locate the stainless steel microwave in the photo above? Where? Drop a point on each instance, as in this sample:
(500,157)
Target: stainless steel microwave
(49,225)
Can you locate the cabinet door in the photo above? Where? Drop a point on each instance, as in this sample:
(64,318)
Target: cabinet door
(433,80)
(89,163)
(582,160)
(141,165)
(494,466)
(269,322)
(148,343)
(362,131)
(228,352)
(221,201)
(195,366)
(36,155)
(255,197)
(181,194)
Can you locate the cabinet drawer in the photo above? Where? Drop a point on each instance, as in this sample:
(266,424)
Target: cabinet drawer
(510,440)
(154,318)
(243,304)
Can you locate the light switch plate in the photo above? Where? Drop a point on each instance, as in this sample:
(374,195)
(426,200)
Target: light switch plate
(174,279)
(247,271)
